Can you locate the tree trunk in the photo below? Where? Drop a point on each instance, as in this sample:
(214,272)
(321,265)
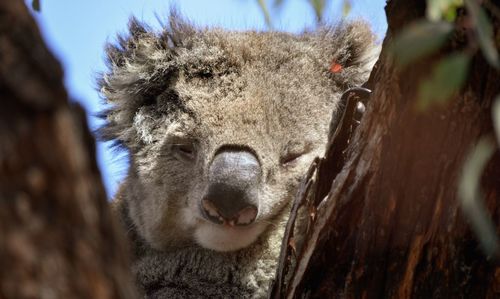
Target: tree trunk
(388,223)
(57,237)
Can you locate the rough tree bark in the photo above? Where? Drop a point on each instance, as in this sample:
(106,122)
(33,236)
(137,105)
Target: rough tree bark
(388,224)
(57,237)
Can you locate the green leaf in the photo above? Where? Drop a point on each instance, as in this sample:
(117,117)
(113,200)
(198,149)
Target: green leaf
(439,9)
(419,39)
(450,15)
(484,30)
(446,78)
(346,8)
(265,11)
(471,198)
(495,111)
(318,6)
(35,4)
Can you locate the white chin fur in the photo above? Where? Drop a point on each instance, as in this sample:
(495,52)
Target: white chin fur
(222,238)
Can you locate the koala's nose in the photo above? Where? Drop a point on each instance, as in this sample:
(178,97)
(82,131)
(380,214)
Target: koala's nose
(231,195)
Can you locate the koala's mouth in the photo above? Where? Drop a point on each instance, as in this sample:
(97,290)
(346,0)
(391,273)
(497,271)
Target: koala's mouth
(225,237)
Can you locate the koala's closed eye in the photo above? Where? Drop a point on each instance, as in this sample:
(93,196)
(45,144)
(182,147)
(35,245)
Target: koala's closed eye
(293,152)
(183,149)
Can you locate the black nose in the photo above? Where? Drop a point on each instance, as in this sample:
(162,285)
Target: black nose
(231,197)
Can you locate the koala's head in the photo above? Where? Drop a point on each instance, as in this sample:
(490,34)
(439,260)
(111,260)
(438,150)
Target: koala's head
(221,126)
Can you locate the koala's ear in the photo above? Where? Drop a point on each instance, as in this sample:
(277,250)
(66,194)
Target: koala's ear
(349,51)
(141,65)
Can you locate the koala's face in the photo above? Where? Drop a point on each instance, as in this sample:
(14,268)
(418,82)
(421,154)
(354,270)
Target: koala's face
(221,128)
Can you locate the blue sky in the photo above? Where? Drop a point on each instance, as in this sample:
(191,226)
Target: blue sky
(76,31)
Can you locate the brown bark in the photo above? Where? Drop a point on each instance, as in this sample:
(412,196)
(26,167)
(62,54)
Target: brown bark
(57,237)
(390,225)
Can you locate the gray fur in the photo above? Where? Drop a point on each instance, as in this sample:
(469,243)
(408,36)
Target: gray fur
(270,92)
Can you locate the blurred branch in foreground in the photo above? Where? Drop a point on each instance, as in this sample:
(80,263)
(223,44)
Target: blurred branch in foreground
(58,239)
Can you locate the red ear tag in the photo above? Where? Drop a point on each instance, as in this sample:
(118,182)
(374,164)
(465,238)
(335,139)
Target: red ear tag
(335,67)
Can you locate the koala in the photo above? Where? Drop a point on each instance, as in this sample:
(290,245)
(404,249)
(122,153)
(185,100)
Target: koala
(220,127)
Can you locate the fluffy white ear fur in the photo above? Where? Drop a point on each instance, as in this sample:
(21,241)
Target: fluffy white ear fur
(369,58)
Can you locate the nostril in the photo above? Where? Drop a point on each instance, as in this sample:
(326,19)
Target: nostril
(243,217)
(246,216)
(210,212)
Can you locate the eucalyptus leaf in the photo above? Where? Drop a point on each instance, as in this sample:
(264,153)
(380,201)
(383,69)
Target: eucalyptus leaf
(35,4)
(419,39)
(318,6)
(471,198)
(439,9)
(265,11)
(484,30)
(450,15)
(446,78)
(346,8)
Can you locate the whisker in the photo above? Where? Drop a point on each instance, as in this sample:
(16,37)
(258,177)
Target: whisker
(271,223)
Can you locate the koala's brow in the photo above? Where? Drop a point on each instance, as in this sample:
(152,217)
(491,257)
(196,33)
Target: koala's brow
(170,100)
